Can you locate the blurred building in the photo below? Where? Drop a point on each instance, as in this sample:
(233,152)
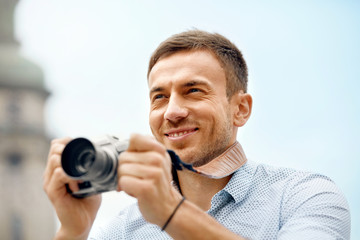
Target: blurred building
(25,212)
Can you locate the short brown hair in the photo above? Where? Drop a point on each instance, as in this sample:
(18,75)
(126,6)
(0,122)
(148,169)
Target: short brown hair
(227,53)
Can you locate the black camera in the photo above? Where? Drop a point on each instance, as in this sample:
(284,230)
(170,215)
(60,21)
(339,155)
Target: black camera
(94,163)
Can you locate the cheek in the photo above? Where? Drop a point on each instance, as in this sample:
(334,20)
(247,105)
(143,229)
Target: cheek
(155,120)
(213,112)
(220,116)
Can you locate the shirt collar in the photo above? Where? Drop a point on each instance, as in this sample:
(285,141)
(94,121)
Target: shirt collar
(233,161)
(240,182)
(225,164)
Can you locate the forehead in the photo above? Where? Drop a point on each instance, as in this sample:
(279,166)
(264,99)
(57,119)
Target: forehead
(186,66)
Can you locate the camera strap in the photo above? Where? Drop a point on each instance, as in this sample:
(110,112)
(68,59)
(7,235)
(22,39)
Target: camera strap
(224,165)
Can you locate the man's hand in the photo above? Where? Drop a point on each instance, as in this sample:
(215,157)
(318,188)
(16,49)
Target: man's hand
(76,215)
(145,173)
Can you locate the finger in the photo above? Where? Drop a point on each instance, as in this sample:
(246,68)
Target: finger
(58,145)
(56,148)
(141,171)
(56,184)
(74,185)
(54,158)
(63,140)
(54,162)
(148,158)
(140,143)
(134,186)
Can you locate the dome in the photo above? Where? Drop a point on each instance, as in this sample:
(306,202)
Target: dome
(16,71)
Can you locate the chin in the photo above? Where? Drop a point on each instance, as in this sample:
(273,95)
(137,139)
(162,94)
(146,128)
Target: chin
(186,155)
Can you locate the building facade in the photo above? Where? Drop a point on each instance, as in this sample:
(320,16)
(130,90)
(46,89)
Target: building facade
(25,212)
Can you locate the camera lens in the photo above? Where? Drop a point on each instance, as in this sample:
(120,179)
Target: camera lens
(78,157)
(85,160)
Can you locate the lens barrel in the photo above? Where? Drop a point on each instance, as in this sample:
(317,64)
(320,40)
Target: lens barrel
(83,160)
(78,157)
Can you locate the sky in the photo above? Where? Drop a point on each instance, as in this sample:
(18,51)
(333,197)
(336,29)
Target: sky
(303,59)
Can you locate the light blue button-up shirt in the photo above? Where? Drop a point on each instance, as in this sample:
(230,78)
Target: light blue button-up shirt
(259,202)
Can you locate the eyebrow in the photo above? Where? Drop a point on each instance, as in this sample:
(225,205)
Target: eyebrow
(187,84)
(156,89)
(195,83)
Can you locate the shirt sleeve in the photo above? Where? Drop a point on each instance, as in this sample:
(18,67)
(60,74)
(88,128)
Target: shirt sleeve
(114,229)
(314,208)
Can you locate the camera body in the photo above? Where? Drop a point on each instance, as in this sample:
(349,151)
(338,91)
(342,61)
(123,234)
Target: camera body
(94,163)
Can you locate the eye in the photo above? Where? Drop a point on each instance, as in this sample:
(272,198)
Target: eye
(158,96)
(194,90)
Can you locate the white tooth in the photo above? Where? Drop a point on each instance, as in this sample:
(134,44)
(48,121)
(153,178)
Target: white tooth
(179,134)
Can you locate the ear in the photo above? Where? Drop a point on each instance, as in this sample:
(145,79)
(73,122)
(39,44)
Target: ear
(241,108)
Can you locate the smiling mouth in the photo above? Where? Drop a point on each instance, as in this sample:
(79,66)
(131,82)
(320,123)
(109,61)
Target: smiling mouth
(180,133)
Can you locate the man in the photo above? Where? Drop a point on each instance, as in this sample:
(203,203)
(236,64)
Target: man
(198,93)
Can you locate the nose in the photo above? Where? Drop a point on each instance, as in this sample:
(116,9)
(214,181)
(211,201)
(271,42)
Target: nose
(175,110)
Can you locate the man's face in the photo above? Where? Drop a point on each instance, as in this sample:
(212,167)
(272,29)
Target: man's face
(189,109)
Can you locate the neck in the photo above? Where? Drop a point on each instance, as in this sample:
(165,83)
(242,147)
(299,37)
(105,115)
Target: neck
(199,189)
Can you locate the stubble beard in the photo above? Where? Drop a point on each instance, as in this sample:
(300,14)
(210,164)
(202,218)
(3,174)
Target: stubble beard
(221,135)
(211,150)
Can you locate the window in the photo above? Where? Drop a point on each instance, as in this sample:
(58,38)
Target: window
(16,227)
(14,159)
